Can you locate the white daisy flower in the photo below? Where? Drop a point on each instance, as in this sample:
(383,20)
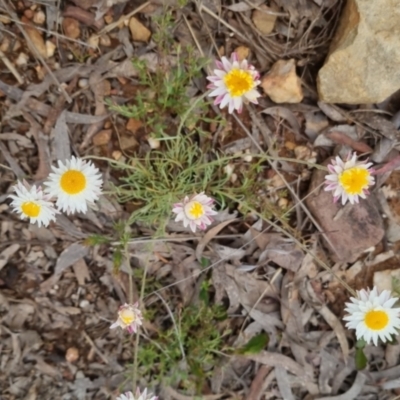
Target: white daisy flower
(349,179)
(233,83)
(372,316)
(32,203)
(74,184)
(195,211)
(138,396)
(129,318)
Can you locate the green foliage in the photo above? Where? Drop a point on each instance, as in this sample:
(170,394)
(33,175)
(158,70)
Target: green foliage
(255,344)
(360,359)
(198,334)
(164,177)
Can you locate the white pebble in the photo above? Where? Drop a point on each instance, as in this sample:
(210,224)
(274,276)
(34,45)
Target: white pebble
(82,83)
(22,59)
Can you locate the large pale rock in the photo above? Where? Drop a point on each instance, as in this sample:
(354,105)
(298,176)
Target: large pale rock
(349,229)
(364,58)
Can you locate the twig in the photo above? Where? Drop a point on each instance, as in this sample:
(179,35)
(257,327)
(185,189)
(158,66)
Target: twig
(113,25)
(99,353)
(209,12)
(11,67)
(36,53)
(175,325)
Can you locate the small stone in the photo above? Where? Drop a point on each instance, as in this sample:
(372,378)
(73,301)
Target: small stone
(84,303)
(39,17)
(83,83)
(154,143)
(242,52)
(22,59)
(105,40)
(133,125)
(72,354)
(5,19)
(128,143)
(5,45)
(364,57)
(116,155)
(283,203)
(71,28)
(263,21)
(50,48)
(349,229)
(282,84)
(93,41)
(102,138)
(138,31)
(302,152)
(290,145)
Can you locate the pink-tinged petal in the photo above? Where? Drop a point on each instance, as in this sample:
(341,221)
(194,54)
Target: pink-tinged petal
(225,101)
(193,226)
(114,325)
(237,103)
(234,57)
(244,65)
(219,64)
(219,99)
(226,63)
(213,78)
(218,92)
(331,169)
(219,73)
(231,106)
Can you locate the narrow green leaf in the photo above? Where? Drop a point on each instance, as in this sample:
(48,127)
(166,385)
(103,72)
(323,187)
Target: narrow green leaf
(361,359)
(255,344)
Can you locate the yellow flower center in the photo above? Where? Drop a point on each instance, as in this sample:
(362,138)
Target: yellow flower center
(354,180)
(30,209)
(238,82)
(376,320)
(195,210)
(73,181)
(127,316)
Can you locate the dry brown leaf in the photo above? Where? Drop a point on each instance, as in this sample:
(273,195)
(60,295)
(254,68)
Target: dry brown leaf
(210,235)
(264,21)
(61,148)
(81,271)
(278,360)
(7,253)
(283,112)
(309,296)
(341,138)
(71,28)
(68,257)
(332,112)
(283,382)
(353,392)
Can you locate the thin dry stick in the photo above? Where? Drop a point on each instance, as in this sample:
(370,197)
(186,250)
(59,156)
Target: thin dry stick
(209,12)
(99,353)
(113,25)
(36,53)
(137,339)
(11,68)
(175,325)
(270,284)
